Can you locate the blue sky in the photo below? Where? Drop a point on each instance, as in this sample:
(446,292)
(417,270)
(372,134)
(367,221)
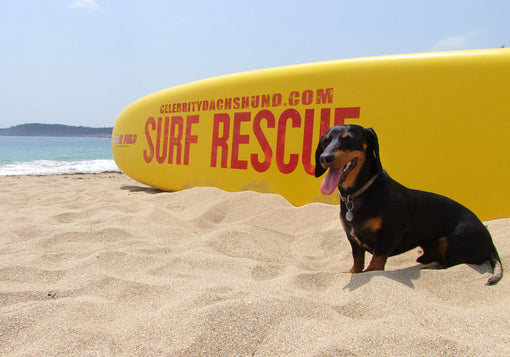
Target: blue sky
(80,62)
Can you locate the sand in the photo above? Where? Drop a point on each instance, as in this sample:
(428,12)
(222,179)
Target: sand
(100,265)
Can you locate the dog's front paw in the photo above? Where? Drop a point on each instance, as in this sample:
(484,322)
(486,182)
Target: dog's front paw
(354,270)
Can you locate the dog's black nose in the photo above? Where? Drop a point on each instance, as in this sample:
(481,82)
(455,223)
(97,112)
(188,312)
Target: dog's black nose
(327,159)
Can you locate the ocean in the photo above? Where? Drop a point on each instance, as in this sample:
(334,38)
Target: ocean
(34,155)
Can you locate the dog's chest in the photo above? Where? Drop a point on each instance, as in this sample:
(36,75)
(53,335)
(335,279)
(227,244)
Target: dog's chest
(360,237)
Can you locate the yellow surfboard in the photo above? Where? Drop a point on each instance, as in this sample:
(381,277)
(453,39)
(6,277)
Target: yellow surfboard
(443,121)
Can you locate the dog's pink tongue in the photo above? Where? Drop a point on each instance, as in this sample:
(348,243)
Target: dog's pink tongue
(331,181)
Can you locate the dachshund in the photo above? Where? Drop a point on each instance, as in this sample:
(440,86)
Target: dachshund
(385,218)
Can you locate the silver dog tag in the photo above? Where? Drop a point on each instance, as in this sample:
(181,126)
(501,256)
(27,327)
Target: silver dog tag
(349,204)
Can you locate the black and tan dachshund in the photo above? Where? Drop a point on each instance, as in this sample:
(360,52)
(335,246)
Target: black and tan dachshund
(382,217)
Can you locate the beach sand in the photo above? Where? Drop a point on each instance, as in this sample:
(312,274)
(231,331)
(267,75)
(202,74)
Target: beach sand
(100,265)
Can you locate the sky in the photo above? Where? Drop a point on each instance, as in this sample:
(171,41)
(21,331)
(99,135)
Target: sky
(81,62)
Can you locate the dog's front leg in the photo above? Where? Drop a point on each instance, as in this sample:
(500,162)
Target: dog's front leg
(382,250)
(359,259)
(377,263)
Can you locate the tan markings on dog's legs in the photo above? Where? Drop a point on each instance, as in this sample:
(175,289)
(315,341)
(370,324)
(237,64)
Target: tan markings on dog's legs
(443,245)
(377,263)
(359,263)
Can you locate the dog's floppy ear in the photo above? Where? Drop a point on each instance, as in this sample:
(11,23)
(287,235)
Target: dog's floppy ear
(319,170)
(373,147)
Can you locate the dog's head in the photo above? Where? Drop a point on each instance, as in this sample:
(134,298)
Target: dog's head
(344,150)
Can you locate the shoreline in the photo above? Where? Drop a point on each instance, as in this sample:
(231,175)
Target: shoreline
(97,263)
(71,173)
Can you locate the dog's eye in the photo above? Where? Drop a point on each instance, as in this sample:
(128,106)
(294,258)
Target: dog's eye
(346,137)
(326,140)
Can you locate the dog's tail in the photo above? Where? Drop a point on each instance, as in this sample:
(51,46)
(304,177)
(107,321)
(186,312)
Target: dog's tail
(497,266)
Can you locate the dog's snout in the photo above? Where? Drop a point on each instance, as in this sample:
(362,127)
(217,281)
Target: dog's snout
(327,159)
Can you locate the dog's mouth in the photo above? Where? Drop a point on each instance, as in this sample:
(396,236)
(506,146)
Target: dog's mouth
(336,176)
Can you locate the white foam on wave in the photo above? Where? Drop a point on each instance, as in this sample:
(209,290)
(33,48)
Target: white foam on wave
(49,167)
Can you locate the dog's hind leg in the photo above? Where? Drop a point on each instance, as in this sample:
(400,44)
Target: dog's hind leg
(434,252)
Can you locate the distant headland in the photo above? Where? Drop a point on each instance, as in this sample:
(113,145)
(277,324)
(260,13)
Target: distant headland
(36,129)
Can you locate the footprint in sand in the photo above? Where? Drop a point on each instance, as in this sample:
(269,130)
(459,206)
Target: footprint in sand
(266,272)
(314,281)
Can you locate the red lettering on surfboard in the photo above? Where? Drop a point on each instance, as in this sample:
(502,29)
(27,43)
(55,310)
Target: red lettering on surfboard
(175,144)
(124,139)
(169,135)
(130,139)
(225,145)
(148,155)
(170,139)
(238,139)
(345,113)
(220,141)
(291,164)
(161,140)
(190,138)
(261,166)
(306,97)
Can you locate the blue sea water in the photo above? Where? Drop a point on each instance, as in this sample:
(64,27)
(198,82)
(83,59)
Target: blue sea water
(34,155)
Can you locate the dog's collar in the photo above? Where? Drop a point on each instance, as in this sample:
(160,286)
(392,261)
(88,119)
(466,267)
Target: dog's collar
(349,203)
(360,191)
